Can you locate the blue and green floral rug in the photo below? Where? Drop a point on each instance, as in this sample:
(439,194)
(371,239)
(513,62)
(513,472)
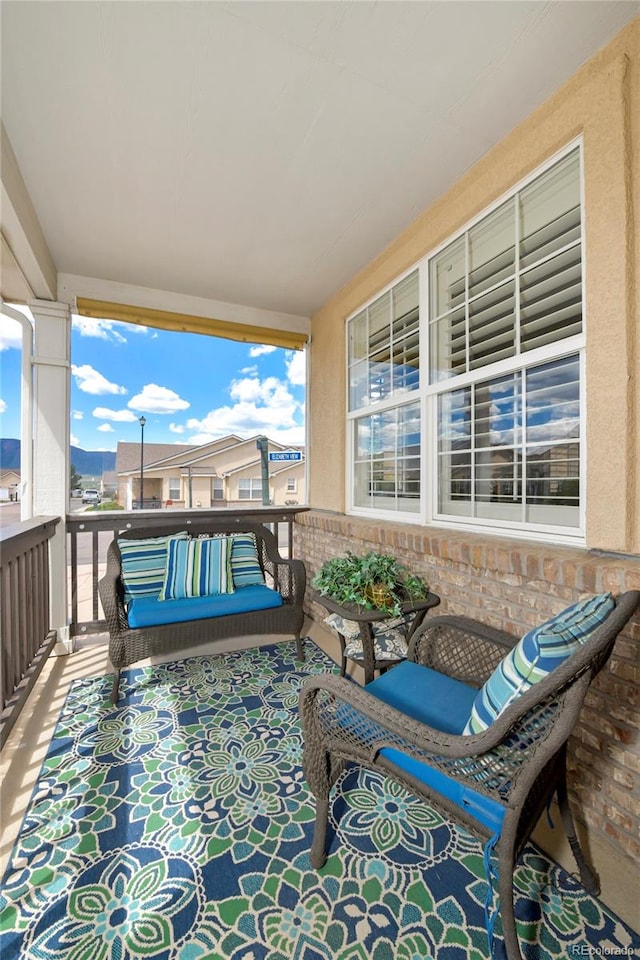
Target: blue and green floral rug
(177,827)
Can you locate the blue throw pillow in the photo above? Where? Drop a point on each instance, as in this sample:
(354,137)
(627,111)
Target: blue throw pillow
(245,566)
(143,565)
(539,652)
(197,568)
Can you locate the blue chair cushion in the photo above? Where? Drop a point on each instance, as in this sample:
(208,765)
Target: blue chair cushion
(152,612)
(487,811)
(444,704)
(539,652)
(425,695)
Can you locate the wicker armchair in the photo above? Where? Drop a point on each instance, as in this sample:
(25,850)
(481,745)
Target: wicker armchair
(495,783)
(128,645)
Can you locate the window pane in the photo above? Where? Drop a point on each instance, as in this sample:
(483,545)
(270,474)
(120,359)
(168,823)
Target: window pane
(387,460)
(497,470)
(551,300)
(358,337)
(455,420)
(553,401)
(448,346)
(380,348)
(406,356)
(492,249)
(550,211)
(492,326)
(359,384)
(497,412)
(447,278)
(454,483)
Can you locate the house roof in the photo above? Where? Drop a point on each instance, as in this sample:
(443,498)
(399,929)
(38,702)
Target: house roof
(166,455)
(257,155)
(128,454)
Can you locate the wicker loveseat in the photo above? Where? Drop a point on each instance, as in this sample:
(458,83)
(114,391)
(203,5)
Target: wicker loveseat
(155,627)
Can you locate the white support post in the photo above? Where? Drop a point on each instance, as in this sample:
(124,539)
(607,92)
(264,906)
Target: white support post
(52,361)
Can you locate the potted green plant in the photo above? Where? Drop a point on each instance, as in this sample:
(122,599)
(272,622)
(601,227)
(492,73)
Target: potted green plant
(374,581)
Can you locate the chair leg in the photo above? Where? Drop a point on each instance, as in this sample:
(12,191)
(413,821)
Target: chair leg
(588,877)
(115,689)
(299,647)
(318,853)
(507,912)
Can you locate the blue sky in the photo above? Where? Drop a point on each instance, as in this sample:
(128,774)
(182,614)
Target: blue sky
(190,388)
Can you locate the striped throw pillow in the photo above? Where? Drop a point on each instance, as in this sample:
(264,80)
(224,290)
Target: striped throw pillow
(534,657)
(245,566)
(143,565)
(197,568)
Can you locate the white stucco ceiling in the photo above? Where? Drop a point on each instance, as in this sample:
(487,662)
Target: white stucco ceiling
(262,152)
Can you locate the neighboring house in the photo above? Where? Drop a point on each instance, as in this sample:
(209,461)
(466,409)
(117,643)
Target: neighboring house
(9,484)
(225,472)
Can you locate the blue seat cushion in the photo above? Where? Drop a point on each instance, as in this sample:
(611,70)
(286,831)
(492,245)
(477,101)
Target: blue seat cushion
(426,695)
(444,704)
(152,612)
(487,811)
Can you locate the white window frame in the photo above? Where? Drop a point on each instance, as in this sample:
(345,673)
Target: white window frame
(428,394)
(171,488)
(252,481)
(217,484)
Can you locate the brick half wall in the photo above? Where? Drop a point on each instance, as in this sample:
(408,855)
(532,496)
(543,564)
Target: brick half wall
(515,585)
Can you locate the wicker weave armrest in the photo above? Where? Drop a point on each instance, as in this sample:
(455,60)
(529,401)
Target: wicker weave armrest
(342,718)
(461,648)
(112,594)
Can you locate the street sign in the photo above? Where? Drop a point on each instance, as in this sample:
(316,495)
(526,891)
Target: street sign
(286,455)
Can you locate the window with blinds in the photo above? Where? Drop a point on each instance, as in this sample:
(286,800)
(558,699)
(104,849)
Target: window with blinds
(509,446)
(513,281)
(384,356)
(498,422)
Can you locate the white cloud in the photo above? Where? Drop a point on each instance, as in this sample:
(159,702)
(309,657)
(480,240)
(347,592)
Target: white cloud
(261,406)
(248,371)
(90,381)
(77,415)
(73,440)
(102,329)
(111,330)
(296,364)
(176,428)
(105,428)
(10,334)
(155,399)
(261,350)
(3,406)
(122,416)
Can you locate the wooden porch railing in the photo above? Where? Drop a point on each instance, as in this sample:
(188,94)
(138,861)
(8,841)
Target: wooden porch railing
(26,639)
(89,535)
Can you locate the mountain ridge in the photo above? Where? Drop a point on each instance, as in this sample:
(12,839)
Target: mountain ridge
(86,462)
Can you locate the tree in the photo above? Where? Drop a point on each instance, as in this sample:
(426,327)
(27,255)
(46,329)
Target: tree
(75,480)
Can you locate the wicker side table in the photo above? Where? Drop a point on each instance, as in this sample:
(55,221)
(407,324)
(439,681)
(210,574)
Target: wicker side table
(365,620)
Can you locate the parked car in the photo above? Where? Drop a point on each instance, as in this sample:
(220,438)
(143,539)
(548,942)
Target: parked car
(91,496)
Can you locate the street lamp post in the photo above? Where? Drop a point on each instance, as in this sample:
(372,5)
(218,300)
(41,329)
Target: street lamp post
(142,422)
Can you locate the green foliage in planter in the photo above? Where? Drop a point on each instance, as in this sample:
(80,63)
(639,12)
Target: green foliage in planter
(351,579)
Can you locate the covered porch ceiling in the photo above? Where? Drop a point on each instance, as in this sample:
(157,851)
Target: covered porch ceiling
(243,160)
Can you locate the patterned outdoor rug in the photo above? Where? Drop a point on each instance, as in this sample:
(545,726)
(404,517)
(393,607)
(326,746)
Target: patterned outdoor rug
(178,826)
